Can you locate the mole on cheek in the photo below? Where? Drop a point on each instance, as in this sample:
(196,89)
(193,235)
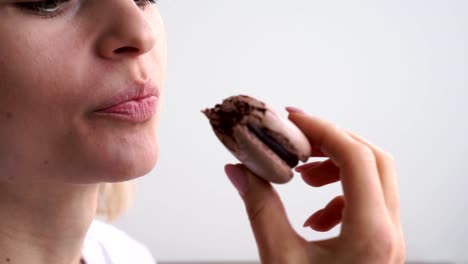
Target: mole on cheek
(7,260)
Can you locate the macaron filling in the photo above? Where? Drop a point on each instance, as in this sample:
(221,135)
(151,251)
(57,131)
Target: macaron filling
(262,134)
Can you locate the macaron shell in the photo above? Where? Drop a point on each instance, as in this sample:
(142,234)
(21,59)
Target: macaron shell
(254,154)
(283,126)
(259,158)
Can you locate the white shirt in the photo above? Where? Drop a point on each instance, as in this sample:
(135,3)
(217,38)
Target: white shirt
(105,244)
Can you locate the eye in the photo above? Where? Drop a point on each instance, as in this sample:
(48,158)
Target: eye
(144,3)
(47,8)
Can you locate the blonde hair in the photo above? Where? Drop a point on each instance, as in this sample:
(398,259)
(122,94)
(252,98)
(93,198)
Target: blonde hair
(114,199)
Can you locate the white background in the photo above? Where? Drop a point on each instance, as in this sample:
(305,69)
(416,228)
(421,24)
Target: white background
(395,72)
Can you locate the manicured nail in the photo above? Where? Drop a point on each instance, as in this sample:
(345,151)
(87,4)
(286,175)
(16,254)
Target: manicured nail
(293,109)
(313,218)
(307,166)
(237,177)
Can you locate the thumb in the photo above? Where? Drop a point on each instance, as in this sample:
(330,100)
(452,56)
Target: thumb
(273,232)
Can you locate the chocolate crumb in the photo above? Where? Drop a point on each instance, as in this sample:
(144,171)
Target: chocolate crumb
(223,117)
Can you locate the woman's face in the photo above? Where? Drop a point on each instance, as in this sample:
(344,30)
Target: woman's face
(63,63)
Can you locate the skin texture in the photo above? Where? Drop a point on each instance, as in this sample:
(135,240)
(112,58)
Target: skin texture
(368,210)
(54,72)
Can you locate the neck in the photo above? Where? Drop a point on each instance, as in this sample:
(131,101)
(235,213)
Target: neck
(45,223)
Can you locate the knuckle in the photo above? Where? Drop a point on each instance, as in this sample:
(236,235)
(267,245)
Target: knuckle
(366,152)
(363,153)
(358,154)
(255,210)
(383,246)
(389,158)
(329,133)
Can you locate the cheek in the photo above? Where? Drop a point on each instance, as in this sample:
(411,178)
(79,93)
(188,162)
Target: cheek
(34,104)
(40,66)
(32,94)
(31,71)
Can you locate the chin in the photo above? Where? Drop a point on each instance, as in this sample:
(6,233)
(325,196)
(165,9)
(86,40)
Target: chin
(130,167)
(106,152)
(119,165)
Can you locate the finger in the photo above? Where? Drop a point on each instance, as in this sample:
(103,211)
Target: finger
(267,216)
(388,176)
(321,174)
(327,243)
(328,217)
(358,170)
(307,165)
(317,152)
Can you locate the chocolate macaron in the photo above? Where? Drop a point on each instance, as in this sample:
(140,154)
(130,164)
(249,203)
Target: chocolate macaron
(267,143)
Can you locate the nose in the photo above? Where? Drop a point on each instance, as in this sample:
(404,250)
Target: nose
(127,32)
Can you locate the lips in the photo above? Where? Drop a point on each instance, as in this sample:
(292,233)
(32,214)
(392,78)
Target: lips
(135,104)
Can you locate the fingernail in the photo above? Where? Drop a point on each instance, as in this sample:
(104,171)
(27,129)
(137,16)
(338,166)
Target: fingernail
(313,218)
(307,166)
(237,177)
(293,109)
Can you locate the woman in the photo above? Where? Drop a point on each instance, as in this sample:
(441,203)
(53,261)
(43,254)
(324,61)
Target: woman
(81,90)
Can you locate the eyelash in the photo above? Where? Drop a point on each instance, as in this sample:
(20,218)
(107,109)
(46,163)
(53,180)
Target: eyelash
(40,7)
(146,2)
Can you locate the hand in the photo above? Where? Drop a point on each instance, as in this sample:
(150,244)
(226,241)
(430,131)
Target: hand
(369,210)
